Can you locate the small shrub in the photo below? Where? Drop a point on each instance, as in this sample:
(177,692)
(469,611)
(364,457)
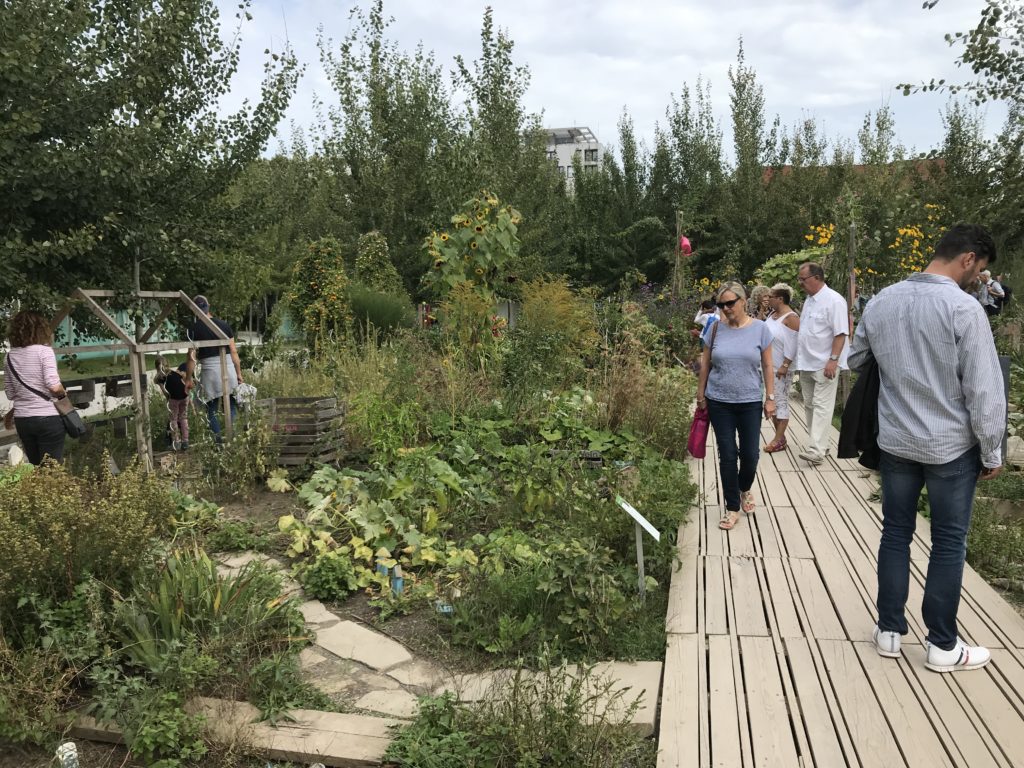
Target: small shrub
(35,691)
(560,717)
(373,309)
(236,536)
(329,577)
(185,601)
(58,527)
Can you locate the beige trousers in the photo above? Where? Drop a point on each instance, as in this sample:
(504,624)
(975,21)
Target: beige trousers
(819,404)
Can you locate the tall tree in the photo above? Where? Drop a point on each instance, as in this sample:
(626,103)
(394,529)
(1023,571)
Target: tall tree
(113,152)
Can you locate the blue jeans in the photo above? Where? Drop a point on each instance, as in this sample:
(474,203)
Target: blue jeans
(728,420)
(951,498)
(212,408)
(41,436)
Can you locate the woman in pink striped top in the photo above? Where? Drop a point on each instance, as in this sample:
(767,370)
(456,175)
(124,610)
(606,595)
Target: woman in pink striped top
(35,418)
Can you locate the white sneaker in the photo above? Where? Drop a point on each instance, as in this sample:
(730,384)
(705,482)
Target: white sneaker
(962,657)
(886,643)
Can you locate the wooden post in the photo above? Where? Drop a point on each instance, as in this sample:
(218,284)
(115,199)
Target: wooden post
(851,290)
(677,287)
(138,369)
(641,578)
(225,393)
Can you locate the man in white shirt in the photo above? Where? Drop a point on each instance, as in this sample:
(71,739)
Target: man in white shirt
(820,355)
(990,293)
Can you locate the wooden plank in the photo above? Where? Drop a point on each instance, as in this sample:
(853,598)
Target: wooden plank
(714,543)
(740,539)
(818,720)
(679,726)
(798,495)
(859,708)
(767,537)
(991,604)
(1002,721)
(773,488)
(748,605)
(788,625)
(821,615)
(792,533)
(681,616)
(726,717)
(715,614)
(771,735)
(952,718)
(909,722)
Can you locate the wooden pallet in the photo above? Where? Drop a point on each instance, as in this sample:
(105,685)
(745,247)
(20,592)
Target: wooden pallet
(307,430)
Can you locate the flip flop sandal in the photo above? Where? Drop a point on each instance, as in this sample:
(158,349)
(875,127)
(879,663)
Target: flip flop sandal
(748,504)
(729,520)
(775,446)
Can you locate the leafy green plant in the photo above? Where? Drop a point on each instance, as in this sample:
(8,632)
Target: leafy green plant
(330,576)
(186,600)
(319,293)
(237,536)
(560,716)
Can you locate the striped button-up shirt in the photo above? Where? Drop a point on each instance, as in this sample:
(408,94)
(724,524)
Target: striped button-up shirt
(941,388)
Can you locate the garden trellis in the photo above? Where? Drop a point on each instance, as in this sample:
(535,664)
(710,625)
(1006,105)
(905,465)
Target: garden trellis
(138,345)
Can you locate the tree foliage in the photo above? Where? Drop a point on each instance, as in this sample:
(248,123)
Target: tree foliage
(113,152)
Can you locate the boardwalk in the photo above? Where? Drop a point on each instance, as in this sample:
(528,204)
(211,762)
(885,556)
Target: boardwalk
(770,661)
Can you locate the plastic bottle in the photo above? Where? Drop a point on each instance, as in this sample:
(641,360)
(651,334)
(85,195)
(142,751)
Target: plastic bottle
(67,754)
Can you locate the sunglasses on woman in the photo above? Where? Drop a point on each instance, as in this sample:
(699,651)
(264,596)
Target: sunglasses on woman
(725,304)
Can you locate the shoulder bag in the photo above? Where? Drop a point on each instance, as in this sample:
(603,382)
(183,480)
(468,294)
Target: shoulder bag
(73,423)
(697,444)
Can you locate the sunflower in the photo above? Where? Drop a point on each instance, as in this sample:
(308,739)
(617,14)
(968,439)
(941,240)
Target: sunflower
(444,236)
(473,245)
(479,228)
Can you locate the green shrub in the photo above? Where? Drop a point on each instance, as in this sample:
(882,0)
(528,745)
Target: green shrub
(374,267)
(35,691)
(57,528)
(231,618)
(374,309)
(329,577)
(237,536)
(995,543)
(563,717)
(544,589)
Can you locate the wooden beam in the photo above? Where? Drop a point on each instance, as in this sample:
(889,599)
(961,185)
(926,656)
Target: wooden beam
(202,316)
(60,316)
(102,294)
(107,320)
(164,314)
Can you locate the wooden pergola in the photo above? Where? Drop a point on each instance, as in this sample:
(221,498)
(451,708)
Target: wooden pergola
(138,345)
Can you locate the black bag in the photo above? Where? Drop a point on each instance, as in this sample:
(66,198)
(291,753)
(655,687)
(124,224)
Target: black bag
(73,423)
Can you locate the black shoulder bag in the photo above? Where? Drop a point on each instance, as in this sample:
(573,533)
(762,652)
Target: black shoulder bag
(73,423)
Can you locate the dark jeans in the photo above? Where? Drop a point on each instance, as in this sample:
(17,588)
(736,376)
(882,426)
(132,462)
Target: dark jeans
(213,408)
(41,436)
(728,420)
(951,498)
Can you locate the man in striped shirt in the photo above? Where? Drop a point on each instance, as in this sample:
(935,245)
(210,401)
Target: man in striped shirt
(941,418)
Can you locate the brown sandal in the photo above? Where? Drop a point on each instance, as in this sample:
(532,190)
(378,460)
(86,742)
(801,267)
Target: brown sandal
(729,520)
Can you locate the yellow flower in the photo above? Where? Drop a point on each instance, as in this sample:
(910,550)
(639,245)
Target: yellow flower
(444,236)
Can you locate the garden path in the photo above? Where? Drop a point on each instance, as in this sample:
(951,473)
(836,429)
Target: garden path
(770,660)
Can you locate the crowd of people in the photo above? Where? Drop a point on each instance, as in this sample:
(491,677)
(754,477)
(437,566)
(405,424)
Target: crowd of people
(936,411)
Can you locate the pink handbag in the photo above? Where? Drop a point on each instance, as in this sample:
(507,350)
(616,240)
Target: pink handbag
(697,445)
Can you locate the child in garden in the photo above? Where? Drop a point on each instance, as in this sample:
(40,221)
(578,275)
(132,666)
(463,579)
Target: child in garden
(176,386)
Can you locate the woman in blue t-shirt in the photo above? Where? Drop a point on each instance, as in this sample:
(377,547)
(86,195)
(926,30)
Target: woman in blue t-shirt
(737,358)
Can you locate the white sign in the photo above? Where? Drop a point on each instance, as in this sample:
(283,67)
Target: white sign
(640,519)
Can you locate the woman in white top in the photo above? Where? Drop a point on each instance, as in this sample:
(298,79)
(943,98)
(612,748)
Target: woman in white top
(784,325)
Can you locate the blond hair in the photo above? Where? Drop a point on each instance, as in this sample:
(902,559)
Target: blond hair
(732,287)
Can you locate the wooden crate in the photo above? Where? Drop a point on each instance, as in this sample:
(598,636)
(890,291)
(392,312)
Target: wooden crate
(307,430)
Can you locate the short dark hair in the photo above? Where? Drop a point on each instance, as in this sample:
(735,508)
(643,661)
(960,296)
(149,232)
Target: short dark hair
(814,270)
(707,304)
(29,327)
(962,238)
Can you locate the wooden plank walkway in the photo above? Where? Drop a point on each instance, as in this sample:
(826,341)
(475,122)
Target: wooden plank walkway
(770,661)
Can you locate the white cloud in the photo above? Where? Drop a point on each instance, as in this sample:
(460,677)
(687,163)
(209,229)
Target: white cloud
(833,60)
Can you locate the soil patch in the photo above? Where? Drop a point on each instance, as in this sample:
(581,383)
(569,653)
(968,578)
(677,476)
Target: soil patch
(263,507)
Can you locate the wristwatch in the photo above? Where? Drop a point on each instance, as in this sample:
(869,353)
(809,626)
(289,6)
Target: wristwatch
(834,358)
(771,397)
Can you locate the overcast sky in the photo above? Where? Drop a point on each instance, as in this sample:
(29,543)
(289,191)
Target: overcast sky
(830,59)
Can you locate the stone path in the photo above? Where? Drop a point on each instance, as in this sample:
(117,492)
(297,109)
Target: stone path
(375,680)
